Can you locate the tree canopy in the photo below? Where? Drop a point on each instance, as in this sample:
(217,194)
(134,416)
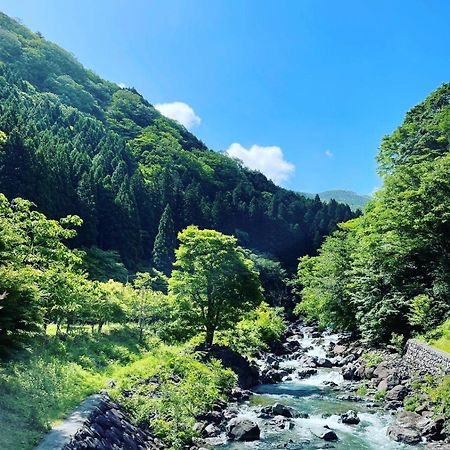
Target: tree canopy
(214,284)
(388,271)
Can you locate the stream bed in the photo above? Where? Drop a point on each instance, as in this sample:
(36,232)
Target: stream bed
(320,402)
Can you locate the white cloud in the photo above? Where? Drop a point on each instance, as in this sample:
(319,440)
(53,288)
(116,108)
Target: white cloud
(122,85)
(267,160)
(329,154)
(181,112)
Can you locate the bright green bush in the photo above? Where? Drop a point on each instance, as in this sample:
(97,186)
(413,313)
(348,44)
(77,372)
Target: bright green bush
(170,387)
(258,328)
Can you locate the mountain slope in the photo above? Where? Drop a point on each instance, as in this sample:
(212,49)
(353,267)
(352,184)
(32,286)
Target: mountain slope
(76,144)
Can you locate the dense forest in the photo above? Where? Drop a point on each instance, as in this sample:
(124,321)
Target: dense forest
(386,273)
(73,143)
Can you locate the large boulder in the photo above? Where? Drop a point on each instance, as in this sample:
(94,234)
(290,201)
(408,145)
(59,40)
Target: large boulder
(402,434)
(279,409)
(304,373)
(324,362)
(327,434)
(242,429)
(397,393)
(247,373)
(350,418)
(407,427)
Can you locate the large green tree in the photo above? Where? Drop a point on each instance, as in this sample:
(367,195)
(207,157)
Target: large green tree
(214,283)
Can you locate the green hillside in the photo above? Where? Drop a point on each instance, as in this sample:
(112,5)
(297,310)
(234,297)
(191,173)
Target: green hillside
(74,143)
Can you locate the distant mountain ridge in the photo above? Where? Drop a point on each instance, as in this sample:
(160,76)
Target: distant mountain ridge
(352,199)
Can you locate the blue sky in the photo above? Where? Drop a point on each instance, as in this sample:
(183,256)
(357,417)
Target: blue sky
(303,89)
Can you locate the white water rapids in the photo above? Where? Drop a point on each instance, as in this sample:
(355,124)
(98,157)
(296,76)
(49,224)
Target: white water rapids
(320,402)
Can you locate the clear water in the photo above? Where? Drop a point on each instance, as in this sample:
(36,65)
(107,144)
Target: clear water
(313,397)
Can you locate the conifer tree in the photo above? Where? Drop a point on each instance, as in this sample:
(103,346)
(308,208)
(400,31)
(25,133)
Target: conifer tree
(165,241)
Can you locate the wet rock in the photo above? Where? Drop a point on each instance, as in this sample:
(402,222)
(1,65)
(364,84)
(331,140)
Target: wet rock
(324,362)
(282,423)
(316,334)
(350,418)
(347,371)
(279,409)
(402,434)
(273,376)
(348,359)
(350,398)
(238,394)
(304,373)
(433,429)
(241,429)
(211,430)
(328,434)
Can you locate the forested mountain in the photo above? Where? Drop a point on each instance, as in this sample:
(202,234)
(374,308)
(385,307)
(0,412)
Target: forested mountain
(386,274)
(76,144)
(350,198)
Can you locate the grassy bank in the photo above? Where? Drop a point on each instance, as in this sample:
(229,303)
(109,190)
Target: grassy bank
(440,337)
(39,387)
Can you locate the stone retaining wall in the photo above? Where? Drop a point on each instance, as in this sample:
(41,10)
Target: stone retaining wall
(100,424)
(421,359)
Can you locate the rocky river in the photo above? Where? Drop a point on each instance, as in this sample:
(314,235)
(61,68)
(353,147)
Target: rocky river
(304,402)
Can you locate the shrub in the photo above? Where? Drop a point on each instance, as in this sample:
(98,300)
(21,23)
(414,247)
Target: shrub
(170,387)
(258,329)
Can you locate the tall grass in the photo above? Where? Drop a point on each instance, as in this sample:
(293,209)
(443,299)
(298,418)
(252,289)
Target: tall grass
(40,386)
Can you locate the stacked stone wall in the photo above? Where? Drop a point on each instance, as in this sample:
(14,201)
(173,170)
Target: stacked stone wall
(421,359)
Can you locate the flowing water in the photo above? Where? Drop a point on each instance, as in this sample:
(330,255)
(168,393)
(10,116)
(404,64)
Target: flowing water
(320,401)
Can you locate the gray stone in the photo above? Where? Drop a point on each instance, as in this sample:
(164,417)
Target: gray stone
(328,435)
(240,429)
(282,410)
(402,434)
(397,393)
(350,418)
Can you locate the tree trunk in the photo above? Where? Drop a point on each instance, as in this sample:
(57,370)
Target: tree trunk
(209,339)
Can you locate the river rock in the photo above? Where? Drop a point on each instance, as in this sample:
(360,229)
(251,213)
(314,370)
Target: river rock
(211,430)
(348,371)
(407,427)
(402,434)
(304,373)
(282,423)
(350,418)
(324,362)
(339,349)
(437,446)
(241,429)
(282,410)
(397,393)
(328,434)
(237,394)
